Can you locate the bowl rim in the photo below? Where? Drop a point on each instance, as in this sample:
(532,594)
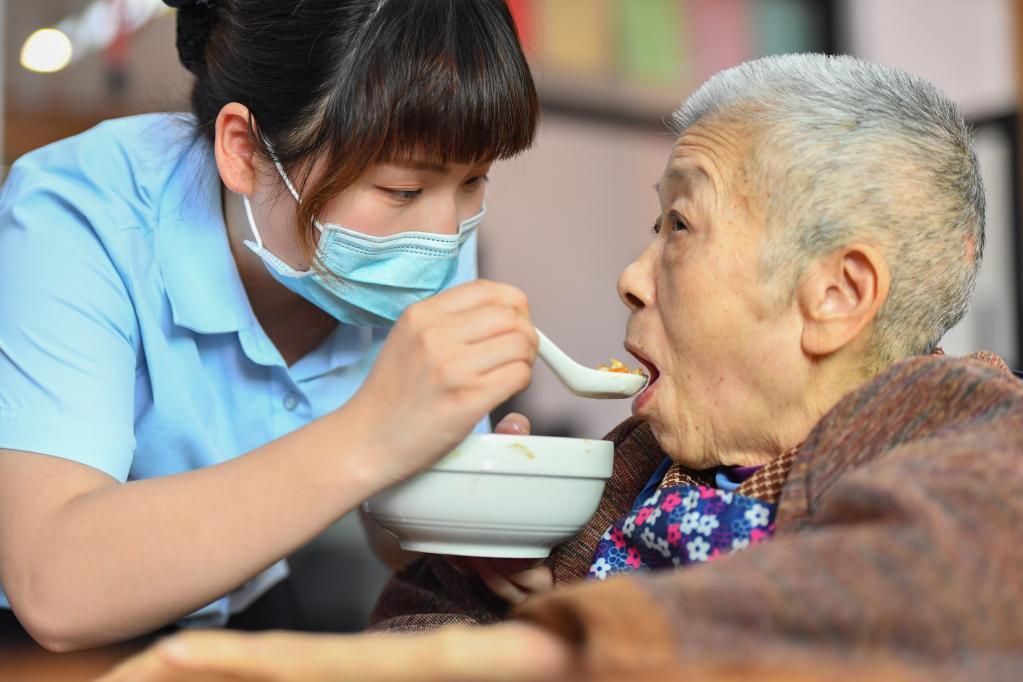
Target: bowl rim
(510,454)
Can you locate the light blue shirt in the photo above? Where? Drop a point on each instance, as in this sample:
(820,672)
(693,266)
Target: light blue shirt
(127,342)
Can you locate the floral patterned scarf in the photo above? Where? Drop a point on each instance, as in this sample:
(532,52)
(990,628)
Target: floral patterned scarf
(685,521)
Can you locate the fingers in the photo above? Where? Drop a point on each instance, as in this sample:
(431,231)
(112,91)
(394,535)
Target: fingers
(281,656)
(153,665)
(506,652)
(209,651)
(472,295)
(463,346)
(486,356)
(479,324)
(502,383)
(498,583)
(144,667)
(304,657)
(528,575)
(514,424)
(513,580)
(533,580)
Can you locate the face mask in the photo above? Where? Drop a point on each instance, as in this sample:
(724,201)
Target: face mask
(370,281)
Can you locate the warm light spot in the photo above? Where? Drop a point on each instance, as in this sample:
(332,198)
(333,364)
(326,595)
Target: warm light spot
(45,51)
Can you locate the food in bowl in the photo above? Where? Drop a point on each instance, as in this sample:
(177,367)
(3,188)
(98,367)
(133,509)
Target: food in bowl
(498,495)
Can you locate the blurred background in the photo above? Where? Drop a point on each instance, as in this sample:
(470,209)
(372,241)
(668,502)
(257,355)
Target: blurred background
(567,216)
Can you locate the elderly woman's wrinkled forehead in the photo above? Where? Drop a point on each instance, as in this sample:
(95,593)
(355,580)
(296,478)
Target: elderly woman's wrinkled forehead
(718,152)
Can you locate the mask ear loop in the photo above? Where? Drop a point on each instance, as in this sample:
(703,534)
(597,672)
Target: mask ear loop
(281,171)
(248,204)
(252,221)
(257,246)
(284,175)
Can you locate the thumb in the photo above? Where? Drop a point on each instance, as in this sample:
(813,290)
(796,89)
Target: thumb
(513,424)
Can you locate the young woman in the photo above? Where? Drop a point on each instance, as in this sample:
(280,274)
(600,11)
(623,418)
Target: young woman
(219,333)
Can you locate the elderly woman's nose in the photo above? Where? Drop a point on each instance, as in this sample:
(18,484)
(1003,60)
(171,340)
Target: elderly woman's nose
(634,285)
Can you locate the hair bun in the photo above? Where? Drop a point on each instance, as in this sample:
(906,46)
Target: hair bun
(196,19)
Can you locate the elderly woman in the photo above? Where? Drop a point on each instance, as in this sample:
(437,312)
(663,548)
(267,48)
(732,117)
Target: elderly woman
(820,227)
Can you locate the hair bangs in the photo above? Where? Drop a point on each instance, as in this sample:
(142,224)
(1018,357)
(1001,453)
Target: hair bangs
(455,88)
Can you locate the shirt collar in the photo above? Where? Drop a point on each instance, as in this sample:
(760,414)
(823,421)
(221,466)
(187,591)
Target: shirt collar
(199,273)
(345,346)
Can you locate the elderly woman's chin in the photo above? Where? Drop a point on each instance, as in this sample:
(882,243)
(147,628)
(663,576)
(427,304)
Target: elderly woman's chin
(684,435)
(682,444)
(667,421)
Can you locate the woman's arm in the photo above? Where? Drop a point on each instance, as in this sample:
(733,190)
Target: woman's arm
(85,560)
(509,652)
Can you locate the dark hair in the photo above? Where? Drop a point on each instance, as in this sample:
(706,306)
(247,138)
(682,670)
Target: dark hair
(350,83)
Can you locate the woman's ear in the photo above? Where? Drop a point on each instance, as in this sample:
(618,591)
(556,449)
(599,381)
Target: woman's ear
(234,149)
(841,297)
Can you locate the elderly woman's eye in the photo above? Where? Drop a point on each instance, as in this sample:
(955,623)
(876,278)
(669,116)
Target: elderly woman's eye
(656,229)
(677,224)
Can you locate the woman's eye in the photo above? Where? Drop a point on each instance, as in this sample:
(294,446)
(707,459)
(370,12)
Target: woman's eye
(477,181)
(656,229)
(677,224)
(403,194)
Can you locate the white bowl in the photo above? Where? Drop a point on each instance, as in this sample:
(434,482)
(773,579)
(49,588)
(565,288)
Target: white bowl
(498,496)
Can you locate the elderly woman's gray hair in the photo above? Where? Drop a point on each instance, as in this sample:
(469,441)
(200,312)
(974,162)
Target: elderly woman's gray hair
(846,151)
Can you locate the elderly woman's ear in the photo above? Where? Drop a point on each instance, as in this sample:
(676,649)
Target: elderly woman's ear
(840,298)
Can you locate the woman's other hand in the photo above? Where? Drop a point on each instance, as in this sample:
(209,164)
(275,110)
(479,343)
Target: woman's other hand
(513,580)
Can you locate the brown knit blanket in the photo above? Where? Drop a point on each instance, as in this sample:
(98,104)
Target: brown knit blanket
(898,540)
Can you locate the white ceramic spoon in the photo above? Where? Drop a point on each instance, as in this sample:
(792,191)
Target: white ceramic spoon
(584,381)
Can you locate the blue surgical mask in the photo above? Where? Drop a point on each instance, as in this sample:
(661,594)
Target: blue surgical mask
(370,280)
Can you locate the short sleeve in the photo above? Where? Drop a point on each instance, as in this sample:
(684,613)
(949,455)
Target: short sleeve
(68,329)
(483,426)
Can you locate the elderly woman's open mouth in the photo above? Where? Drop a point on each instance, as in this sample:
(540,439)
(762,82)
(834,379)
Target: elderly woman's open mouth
(651,370)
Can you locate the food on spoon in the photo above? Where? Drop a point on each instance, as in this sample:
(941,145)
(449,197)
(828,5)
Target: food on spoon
(619,368)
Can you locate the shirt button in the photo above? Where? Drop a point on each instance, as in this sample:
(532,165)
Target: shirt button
(290,402)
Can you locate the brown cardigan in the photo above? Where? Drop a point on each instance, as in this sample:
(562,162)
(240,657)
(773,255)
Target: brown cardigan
(898,547)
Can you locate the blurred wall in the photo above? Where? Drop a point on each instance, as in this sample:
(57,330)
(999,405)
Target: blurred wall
(968,50)
(966,47)
(41,108)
